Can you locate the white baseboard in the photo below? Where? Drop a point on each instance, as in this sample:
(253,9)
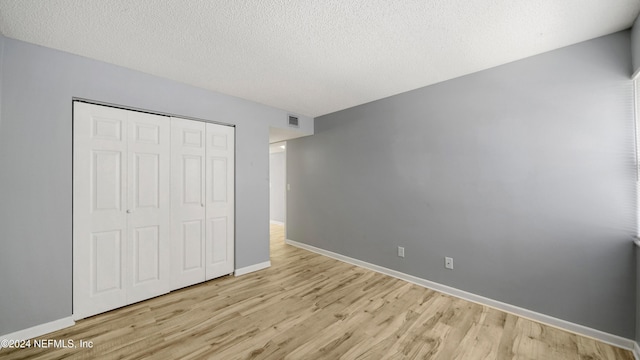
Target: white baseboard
(40,330)
(274,222)
(531,315)
(636,350)
(252,268)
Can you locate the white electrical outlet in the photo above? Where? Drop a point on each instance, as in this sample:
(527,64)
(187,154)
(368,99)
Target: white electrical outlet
(400,251)
(448,263)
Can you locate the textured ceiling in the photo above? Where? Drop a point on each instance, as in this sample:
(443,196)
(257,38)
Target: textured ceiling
(311,57)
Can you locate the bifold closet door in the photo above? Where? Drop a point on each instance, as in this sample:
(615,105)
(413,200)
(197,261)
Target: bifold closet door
(153,205)
(220,224)
(149,206)
(202,196)
(121,211)
(187,202)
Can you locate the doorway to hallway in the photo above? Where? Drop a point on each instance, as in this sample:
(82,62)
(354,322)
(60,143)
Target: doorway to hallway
(277,183)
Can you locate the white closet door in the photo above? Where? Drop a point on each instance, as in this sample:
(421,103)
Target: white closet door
(121,207)
(99,209)
(148,208)
(153,202)
(219,205)
(187,202)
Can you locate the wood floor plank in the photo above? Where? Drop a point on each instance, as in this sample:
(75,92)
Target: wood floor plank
(306,306)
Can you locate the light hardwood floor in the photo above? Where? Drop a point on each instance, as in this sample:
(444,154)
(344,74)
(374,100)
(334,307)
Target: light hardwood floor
(307,306)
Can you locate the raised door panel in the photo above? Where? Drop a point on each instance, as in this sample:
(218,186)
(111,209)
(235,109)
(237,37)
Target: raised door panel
(147,181)
(106,262)
(191,244)
(146,255)
(187,202)
(148,205)
(106,180)
(220,232)
(191,181)
(99,214)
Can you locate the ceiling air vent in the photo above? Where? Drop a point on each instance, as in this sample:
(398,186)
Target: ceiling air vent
(293,121)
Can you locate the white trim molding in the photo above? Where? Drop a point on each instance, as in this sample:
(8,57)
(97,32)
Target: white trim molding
(636,350)
(39,330)
(274,222)
(611,339)
(249,269)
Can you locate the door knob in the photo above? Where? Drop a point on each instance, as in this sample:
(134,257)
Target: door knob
(129,211)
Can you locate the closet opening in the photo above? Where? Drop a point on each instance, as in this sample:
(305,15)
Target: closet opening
(153,204)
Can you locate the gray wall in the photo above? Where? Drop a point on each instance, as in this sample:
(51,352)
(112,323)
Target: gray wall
(637,295)
(523,173)
(1,60)
(277,181)
(635,45)
(36,171)
(635,38)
